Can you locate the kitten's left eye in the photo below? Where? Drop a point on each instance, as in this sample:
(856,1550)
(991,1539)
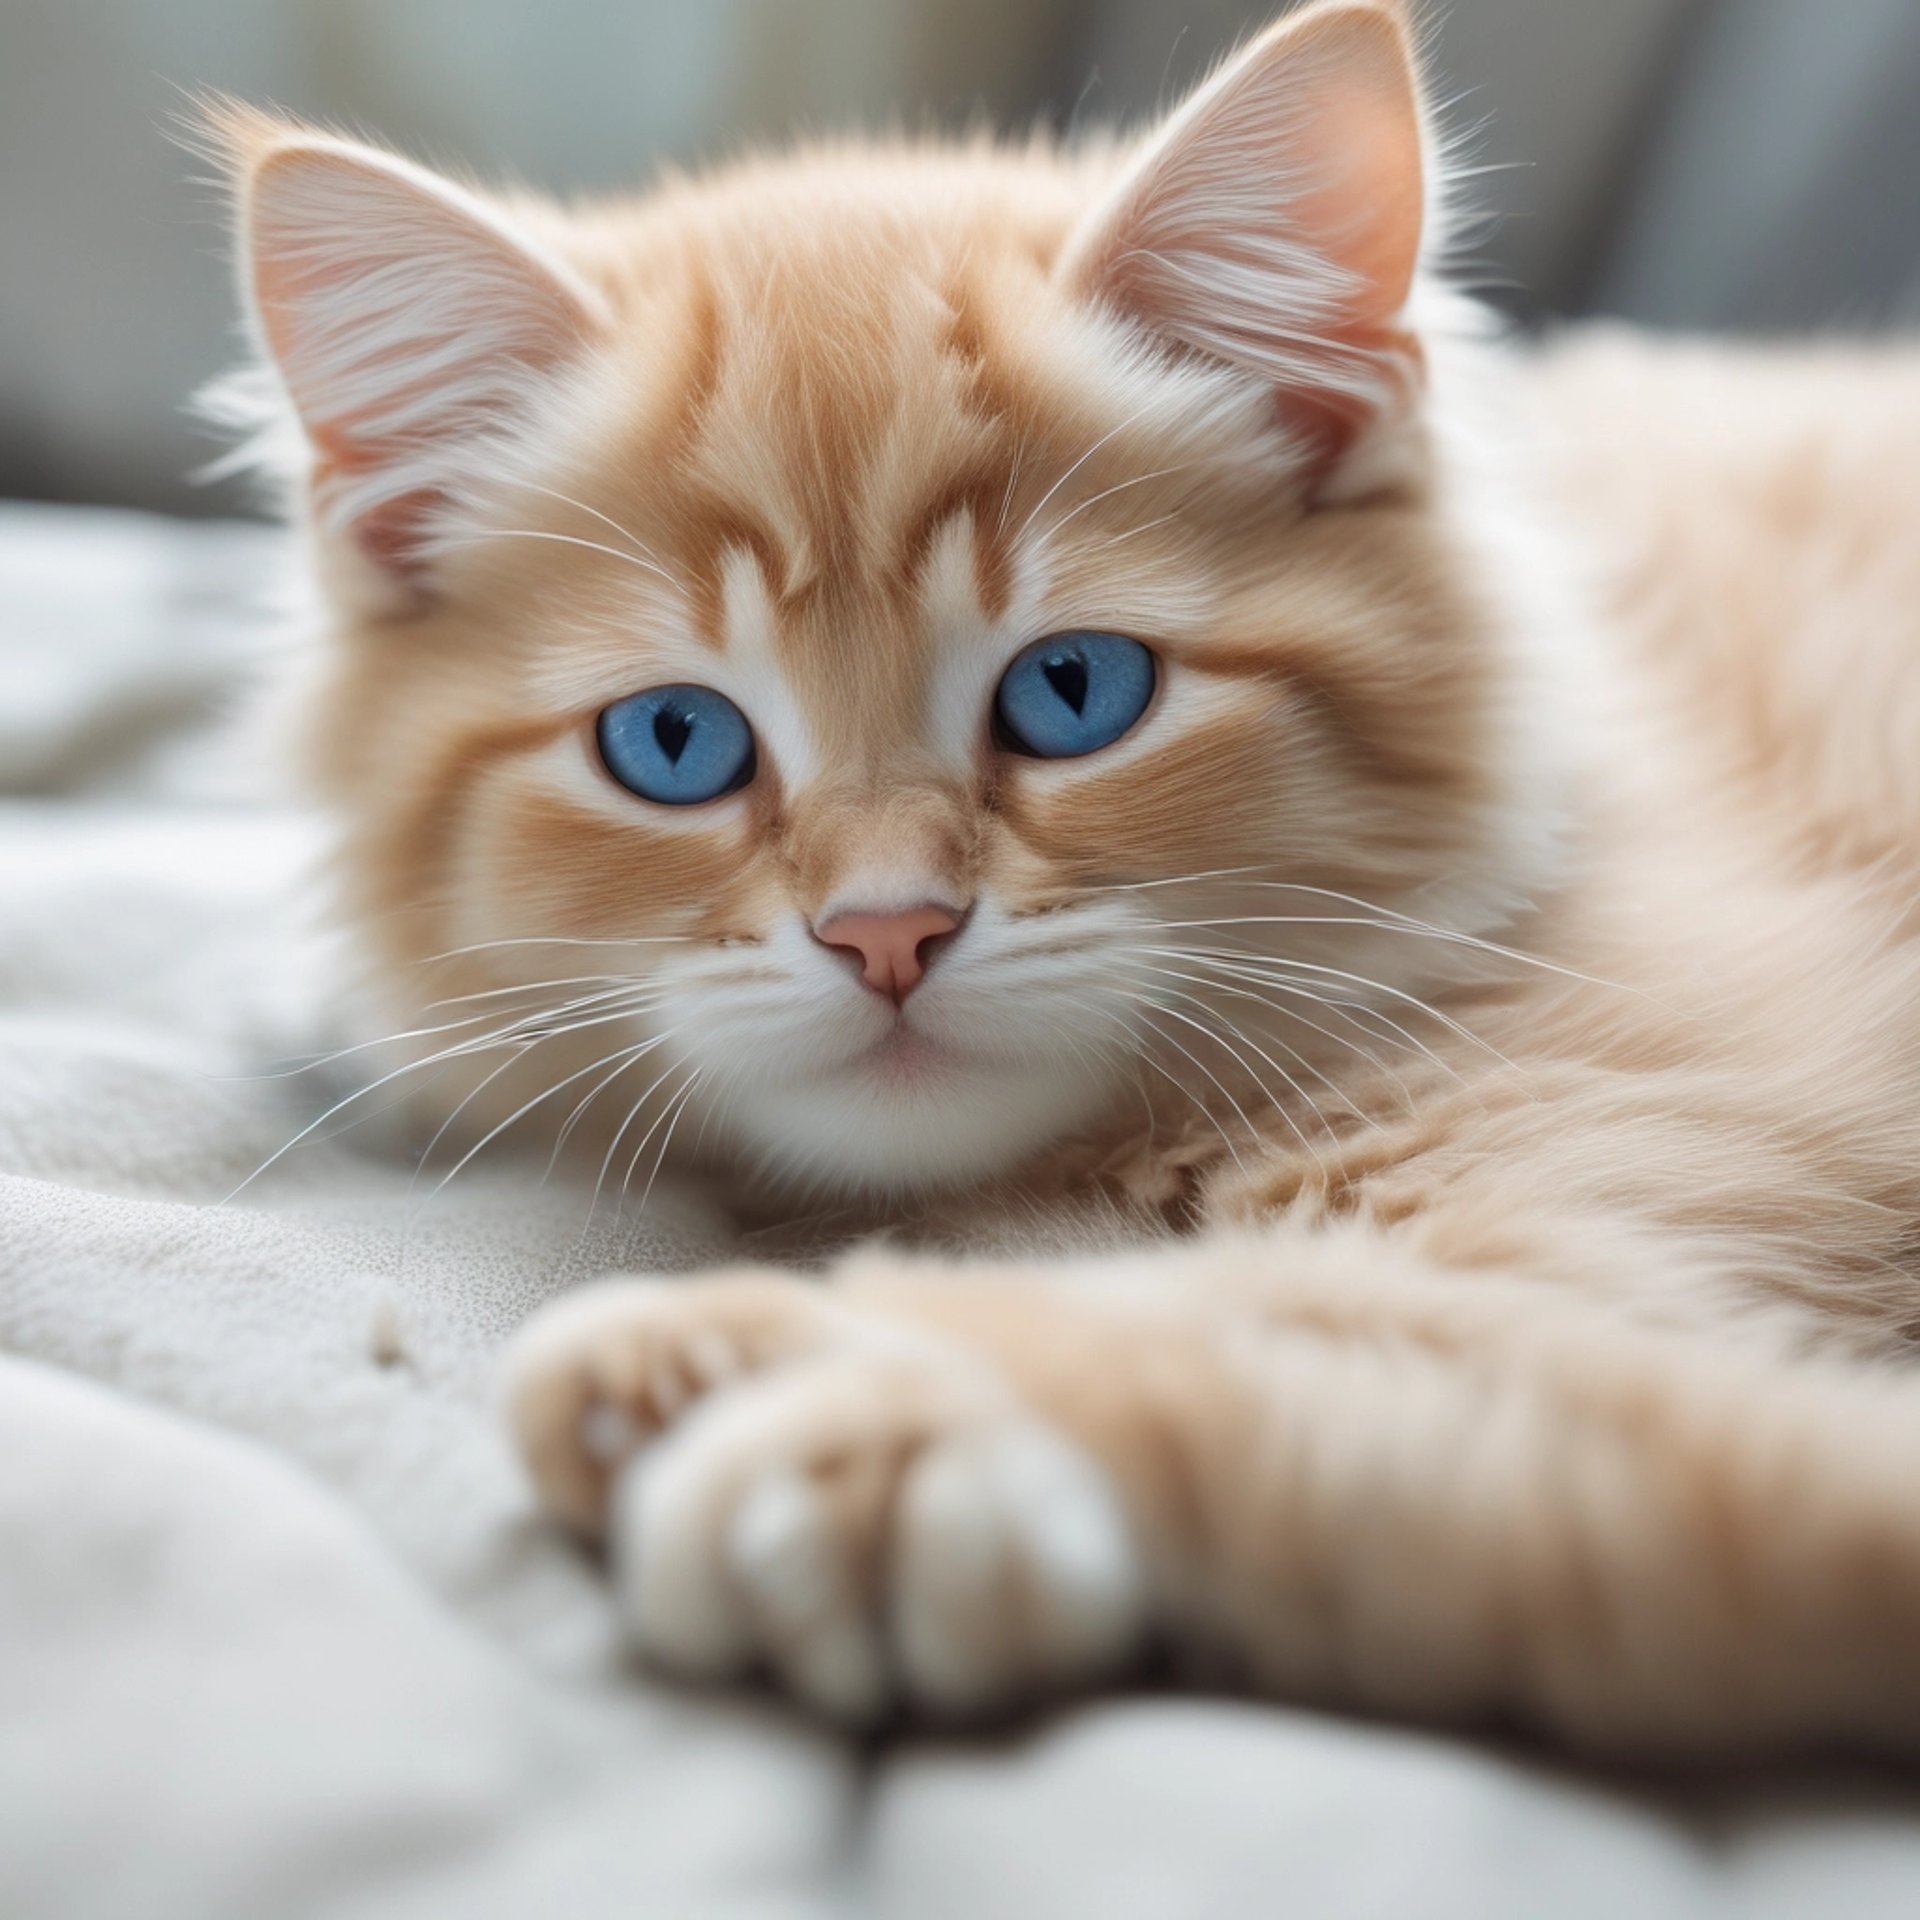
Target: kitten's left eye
(1073,693)
(677,746)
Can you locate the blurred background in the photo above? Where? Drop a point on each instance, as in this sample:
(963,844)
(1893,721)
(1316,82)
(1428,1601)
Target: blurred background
(1728,164)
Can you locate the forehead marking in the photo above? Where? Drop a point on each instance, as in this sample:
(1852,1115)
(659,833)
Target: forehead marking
(750,646)
(970,647)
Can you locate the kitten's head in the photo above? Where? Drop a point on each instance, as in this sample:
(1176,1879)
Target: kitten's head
(895,634)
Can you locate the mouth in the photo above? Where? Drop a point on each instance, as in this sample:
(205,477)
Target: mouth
(905,1056)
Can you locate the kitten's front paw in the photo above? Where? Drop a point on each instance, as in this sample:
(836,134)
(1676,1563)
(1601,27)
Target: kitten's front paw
(870,1515)
(606,1369)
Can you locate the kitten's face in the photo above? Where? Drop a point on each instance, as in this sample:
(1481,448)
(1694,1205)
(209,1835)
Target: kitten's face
(724,656)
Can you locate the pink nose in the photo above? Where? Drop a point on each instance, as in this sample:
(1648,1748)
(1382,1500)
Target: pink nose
(891,946)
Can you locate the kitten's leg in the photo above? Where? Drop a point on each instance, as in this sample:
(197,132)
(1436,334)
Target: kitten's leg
(1359,1481)
(1342,1477)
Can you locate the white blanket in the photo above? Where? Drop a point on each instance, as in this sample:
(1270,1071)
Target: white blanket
(280,1632)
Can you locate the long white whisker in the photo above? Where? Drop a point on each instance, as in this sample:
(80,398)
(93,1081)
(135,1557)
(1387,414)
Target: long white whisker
(1138,414)
(587,1099)
(640,547)
(1244,965)
(1338,1039)
(320,1060)
(1014,467)
(562,940)
(516,1031)
(1396,915)
(666,1140)
(613,1145)
(1400,923)
(1187,1093)
(317,1061)
(538,1027)
(1300,1059)
(1107,493)
(1278,1105)
(1132,533)
(565,540)
(644,1047)
(660,1120)
(472,1094)
(533,986)
(471,1045)
(716,1101)
(1235,968)
(1150,1009)
(1447,1020)
(1370,986)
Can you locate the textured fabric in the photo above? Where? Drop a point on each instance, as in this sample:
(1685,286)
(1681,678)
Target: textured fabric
(280,1632)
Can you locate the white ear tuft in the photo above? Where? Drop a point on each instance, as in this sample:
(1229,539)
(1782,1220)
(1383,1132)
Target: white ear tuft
(408,321)
(1275,221)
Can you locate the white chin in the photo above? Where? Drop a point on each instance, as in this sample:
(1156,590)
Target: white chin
(908,1126)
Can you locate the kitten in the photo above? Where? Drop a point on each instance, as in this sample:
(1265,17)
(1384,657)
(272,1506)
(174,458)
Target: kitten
(1047,687)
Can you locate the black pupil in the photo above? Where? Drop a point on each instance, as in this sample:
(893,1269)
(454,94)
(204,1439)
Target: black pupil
(1067,676)
(671,732)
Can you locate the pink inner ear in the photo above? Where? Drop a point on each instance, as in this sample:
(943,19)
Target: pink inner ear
(1368,213)
(407,321)
(1276,220)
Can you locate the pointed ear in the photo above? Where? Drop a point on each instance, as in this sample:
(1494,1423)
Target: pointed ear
(407,319)
(1275,220)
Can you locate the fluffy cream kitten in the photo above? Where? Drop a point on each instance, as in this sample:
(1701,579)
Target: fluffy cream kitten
(1078,687)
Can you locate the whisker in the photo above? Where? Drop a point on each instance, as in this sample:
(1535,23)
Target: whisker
(645,1047)
(1192,1098)
(561,940)
(717,1098)
(1268,961)
(1278,1105)
(1401,924)
(1107,493)
(641,548)
(1132,419)
(541,1031)
(472,1094)
(1133,533)
(316,1061)
(613,1145)
(1149,1010)
(1014,467)
(574,1118)
(1339,1040)
(360,1093)
(1242,966)
(565,540)
(1453,1026)
(515,1033)
(1390,915)
(532,986)
(679,1107)
(1305,1065)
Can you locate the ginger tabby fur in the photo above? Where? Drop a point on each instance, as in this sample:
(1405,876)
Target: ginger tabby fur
(1444,1088)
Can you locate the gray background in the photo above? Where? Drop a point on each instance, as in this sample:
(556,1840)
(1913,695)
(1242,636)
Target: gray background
(1748,164)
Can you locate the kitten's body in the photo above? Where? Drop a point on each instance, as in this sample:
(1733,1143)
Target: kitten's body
(1482,984)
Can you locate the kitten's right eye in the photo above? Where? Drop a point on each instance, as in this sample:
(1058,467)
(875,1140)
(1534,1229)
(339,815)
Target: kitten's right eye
(676,746)
(1072,694)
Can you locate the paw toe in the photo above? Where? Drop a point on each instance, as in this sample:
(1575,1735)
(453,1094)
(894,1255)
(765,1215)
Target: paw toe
(1016,1572)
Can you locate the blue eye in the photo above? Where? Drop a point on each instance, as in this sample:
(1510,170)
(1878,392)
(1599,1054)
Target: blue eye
(1073,693)
(677,745)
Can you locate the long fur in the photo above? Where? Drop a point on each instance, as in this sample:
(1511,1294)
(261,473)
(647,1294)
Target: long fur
(1481,993)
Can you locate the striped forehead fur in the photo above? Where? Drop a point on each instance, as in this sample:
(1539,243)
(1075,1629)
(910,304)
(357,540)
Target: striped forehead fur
(836,435)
